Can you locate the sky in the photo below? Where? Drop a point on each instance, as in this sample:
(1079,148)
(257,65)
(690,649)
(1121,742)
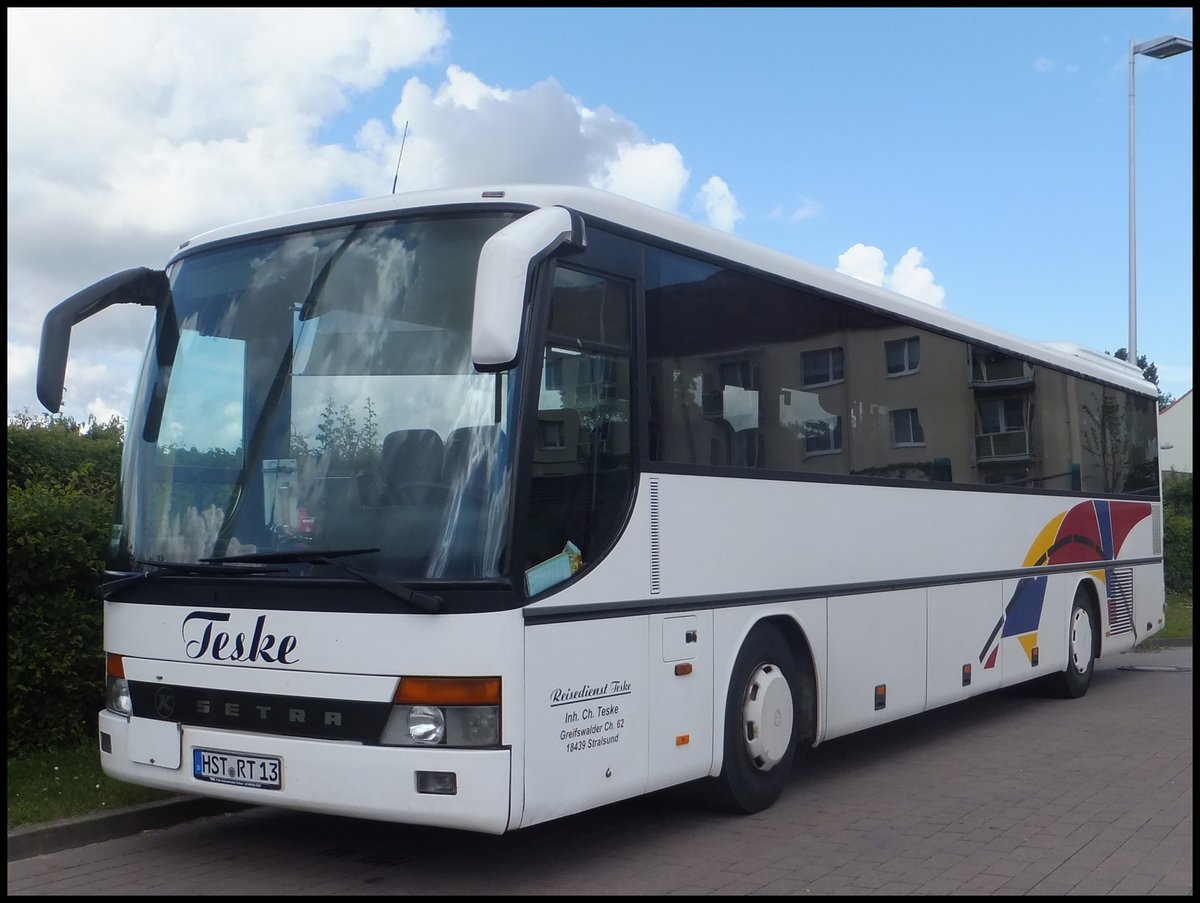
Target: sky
(974,159)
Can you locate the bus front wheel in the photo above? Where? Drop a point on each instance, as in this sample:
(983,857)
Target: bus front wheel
(767,709)
(1073,681)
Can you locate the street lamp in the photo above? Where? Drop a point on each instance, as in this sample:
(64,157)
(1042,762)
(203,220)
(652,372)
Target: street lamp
(1159,48)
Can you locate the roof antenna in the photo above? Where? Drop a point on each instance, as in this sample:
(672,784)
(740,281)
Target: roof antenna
(400,157)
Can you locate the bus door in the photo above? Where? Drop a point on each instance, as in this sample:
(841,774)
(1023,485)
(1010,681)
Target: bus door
(586,681)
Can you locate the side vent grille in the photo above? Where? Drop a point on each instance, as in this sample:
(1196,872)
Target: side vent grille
(655,562)
(1156,521)
(1119,585)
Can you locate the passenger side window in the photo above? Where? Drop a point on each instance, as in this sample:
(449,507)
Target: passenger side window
(581,460)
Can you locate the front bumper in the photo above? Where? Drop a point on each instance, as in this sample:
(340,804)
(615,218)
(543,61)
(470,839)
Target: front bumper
(334,777)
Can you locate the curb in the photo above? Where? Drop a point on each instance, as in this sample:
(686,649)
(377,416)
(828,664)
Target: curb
(67,833)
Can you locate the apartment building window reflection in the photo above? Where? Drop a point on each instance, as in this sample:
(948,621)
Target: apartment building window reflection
(1002,430)
(906,427)
(823,367)
(1002,415)
(903,356)
(553,374)
(822,437)
(737,373)
(552,434)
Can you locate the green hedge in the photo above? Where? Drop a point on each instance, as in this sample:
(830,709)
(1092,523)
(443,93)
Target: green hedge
(1177,531)
(1177,548)
(61,486)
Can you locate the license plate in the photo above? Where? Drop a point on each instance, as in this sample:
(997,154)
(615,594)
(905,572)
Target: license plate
(223,767)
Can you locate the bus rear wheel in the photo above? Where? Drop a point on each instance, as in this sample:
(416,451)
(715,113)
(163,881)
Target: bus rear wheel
(1073,681)
(767,710)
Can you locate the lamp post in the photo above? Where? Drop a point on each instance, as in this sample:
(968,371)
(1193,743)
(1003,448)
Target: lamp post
(1159,48)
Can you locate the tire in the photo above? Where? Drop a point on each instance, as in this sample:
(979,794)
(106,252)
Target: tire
(1074,680)
(768,716)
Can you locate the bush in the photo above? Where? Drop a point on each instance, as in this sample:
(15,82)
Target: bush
(1177,532)
(1177,492)
(1177,552)
(61,490)
(60,450)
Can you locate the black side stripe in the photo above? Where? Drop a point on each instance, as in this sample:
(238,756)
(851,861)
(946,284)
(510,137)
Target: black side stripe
(546,613)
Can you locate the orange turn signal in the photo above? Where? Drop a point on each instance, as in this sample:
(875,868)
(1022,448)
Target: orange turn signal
(447,691)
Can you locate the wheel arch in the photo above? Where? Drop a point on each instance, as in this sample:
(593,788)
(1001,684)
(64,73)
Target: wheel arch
(735,635)
(742,779)
(801,647)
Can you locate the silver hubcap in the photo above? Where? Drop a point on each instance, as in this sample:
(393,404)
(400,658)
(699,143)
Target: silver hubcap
(1081,640)
(767,715)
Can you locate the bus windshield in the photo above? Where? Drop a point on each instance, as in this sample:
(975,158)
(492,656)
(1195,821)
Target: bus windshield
(315,391)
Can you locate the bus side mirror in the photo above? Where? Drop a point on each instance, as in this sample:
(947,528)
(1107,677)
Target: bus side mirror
(137,286)
(502,280)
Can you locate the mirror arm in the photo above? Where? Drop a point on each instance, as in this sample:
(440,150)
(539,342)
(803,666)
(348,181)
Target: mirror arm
(136,286)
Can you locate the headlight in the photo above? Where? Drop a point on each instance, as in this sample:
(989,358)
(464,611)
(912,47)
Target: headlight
(426,724)
(451,725)
(116,687)
(116,696)
(443,711)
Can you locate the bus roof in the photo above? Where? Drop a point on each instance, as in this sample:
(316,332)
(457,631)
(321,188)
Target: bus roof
(671,227)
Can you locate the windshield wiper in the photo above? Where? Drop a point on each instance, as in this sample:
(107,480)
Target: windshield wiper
(205,570)
(104,590)
(423,601)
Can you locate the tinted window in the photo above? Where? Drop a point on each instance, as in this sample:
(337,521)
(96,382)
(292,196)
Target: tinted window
(747,372)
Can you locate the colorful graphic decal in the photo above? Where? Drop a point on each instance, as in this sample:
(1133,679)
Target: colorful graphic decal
(1091,531)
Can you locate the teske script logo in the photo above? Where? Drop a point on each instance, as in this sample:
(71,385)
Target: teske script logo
(203,639)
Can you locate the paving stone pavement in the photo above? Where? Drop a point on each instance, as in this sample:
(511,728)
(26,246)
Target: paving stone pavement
(1006,794)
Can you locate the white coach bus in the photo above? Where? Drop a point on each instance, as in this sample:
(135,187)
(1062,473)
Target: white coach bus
(479,508)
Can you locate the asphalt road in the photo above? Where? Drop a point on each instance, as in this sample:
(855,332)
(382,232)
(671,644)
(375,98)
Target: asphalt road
(1004,794)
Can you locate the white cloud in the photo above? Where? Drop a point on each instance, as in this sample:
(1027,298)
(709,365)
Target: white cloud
(1045,64)
(910,277)
(865,263)
(103,412)
(914,280)
(465,89)
(22,361)
(719,205)
(807,210)
(130,130)
(465,132)
(651,173)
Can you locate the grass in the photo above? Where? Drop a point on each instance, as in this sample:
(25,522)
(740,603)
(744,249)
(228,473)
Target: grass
(1179,617)
(69,782)
(66,782)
